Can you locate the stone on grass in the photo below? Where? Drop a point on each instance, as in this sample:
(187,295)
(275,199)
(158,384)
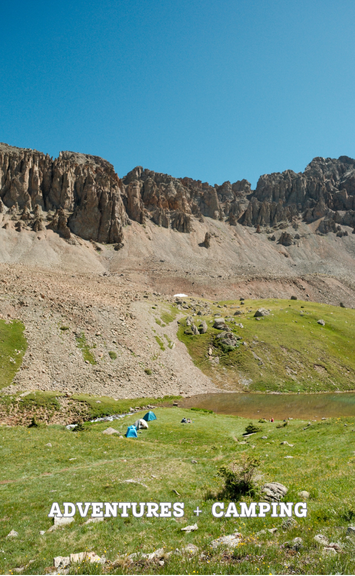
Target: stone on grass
(49,445)
(321,322)
(288,523)
(12,534)
(110,431)
(91,557)
(273,491)
(58,522)
(191,528)
(229,541)
(351,530)
(94,520)
(304,494)
(329,551)
(190,549)
(323,540)
(261,312)
(61,561)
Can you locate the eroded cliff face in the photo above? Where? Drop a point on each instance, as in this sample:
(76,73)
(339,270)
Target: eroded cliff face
(82,195)
(326,189)
(174,202)
(74,193)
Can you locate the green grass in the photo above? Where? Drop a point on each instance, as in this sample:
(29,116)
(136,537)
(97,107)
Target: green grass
(286,351)
(160,342)
(170,343)
(13,346)
(91,467)
(112,355)
(169,314)
(85,348)
(105,406)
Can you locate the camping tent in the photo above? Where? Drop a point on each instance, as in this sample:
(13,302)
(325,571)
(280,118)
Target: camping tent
(149,416)
(131,432)
(139,424)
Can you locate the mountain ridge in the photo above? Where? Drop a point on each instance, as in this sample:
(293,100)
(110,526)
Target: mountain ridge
(81,195)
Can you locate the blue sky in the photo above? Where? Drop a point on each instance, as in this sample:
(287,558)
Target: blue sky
(214,90)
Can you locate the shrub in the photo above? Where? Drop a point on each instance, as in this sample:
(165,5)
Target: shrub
(263,421)
(252,429)
(239,478)
(112,355)
(148,371)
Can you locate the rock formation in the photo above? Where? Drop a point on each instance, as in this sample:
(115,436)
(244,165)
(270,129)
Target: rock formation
(84,192)
(82,195)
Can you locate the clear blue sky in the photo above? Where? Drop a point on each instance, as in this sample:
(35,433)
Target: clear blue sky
(215,90)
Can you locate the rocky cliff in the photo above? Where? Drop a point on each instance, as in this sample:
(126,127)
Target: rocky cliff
(74,193)
(82,195)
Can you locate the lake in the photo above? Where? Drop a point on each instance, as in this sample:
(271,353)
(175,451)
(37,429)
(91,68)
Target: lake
(277,406)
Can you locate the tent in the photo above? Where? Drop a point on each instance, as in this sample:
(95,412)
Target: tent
(131,432)
(149,416)
(139,424)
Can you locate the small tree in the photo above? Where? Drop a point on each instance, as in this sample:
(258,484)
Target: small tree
(239,478)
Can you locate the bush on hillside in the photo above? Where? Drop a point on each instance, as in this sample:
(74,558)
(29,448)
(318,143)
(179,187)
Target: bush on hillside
(239,478)
(252,429)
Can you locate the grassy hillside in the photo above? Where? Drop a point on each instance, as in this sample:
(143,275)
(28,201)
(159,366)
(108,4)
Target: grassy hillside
(286,351)
(13,345)
(172,462)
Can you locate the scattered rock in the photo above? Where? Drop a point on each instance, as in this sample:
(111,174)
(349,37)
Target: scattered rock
(219,324)
(229,541)
(261,312)
(58,522)
(94,520)
(274,491)
(110,431)
(321,322)
(61,561)
(191,528)
(285,239)
(12,534)
(323,540)
(304,494)
(288,523)
(190,549)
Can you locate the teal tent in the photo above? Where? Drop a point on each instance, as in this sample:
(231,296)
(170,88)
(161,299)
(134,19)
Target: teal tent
(149,416)
(131,432)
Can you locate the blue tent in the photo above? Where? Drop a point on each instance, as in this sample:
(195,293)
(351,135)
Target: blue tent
(149,416)
(131,432)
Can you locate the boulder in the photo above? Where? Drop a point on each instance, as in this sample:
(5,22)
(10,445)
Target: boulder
(323,540)
(191,528)
(261,312)
(230,541)
(273,491)
(304,494)
(321,322)
(110,431)
(202,328)
(285,239)
(219,324)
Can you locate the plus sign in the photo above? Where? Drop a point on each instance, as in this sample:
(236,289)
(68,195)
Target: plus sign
(197,511)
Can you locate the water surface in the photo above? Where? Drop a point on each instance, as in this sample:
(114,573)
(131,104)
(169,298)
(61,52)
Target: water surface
(277,406)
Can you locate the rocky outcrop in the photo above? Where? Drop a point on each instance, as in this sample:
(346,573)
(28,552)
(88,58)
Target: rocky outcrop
(174,202)
(83,191)
(325,189)
(82,195)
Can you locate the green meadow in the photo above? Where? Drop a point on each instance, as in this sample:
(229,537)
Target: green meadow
(13,346)
(173,462)
(286,351)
